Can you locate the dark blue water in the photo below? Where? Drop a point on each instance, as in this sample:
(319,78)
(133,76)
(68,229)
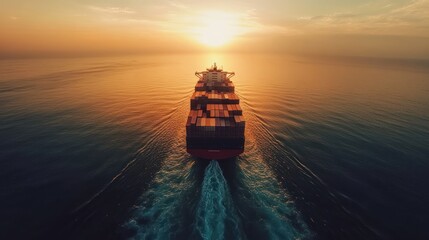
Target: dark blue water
(94,148)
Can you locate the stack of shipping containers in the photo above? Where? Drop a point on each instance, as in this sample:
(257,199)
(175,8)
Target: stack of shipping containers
(215,120)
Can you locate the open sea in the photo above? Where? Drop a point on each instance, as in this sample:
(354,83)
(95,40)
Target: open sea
(94,148)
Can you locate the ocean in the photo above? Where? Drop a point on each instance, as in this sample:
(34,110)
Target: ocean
(94,148)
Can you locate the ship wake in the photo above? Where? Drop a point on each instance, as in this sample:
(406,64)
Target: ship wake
(200,200)
(166,208)
(215,210)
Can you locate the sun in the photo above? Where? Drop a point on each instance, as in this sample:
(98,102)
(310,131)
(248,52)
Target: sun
(217,28)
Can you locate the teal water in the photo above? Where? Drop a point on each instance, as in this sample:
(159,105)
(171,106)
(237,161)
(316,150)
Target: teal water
(94,148)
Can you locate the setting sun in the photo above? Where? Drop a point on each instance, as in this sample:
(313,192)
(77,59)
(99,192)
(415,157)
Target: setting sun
(217,28)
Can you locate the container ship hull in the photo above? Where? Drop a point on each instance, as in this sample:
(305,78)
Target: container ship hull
(215,125)
(215,154)
(215,148)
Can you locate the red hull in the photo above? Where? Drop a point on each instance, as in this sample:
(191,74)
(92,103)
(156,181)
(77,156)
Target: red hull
(215,154)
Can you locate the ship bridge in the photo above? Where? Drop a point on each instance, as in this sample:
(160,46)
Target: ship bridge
(214,74)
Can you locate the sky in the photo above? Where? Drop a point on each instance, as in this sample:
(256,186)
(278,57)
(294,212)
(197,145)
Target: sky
(377,28)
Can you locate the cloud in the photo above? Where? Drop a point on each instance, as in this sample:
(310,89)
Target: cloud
(116,10)
(337,17)
(415,11)
(178,5)
(190,21)
(411,19)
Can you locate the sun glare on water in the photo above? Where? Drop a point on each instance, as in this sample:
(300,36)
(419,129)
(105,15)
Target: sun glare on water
(217,28)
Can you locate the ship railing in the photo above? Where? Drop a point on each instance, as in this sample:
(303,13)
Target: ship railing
(199,74)
(228,74)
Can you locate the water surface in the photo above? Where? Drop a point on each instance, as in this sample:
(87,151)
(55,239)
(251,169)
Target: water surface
(93,148)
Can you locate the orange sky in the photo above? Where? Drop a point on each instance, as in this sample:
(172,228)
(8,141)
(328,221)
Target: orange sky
(380,28)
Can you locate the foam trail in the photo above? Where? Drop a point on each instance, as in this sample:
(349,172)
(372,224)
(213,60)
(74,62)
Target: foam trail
(268,211)
(215,209)
(163,208)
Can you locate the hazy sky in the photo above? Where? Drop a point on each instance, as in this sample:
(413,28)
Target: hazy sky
(396,28)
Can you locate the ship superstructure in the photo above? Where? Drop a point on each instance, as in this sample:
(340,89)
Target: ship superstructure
(215,125)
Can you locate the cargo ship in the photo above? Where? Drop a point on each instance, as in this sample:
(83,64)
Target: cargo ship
(215,125)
